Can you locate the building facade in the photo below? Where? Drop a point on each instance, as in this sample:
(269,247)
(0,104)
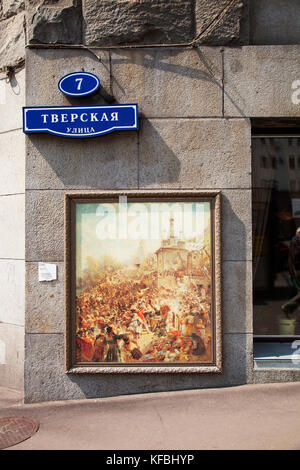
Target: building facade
(205,74)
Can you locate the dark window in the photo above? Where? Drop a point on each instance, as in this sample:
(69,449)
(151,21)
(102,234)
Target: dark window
(293,185)
(274,163)
(291,163)
(276,249)
(263,162)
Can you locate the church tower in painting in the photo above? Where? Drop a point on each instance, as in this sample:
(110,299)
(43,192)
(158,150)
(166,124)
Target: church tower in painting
(175,260)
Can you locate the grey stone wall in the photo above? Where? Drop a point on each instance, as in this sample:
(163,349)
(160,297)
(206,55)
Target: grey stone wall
(195,133)
(274,22)
(12,231)
(119,22)
(102,22)
(213,22)
(171,150)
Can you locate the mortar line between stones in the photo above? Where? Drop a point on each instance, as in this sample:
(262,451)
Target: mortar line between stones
(11,324)
(62,333)
(110,75)
(149,189)
(237,260)
(62,260)
(43,333)
(220,118)
(11,130)
(43,261)
(138,159)
(12,194)
(238,333)
(81,23)
(40,261)
(223,90)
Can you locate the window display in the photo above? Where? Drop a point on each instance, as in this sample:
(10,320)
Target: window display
(276,235)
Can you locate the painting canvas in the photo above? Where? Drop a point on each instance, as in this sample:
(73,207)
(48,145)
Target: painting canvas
(143,275)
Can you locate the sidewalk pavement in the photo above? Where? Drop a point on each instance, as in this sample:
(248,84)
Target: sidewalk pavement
(244,417)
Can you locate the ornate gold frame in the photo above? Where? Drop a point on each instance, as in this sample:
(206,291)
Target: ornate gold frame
(143,195)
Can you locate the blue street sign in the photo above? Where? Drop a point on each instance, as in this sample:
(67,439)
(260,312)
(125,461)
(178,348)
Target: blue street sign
(80,121)
(79,84)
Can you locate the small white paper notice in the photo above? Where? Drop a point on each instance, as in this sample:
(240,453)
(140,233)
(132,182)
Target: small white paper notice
(47,272)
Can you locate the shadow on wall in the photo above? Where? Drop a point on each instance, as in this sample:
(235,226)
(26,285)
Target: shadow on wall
(177,61)
(108,162)
(111,161)
(14,84)
(160,60)
(205,71)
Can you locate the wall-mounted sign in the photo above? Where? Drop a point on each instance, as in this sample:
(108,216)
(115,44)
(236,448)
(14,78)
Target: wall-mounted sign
(79,84)
(80,121)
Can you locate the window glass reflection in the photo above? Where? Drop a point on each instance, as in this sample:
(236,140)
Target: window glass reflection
(276,240)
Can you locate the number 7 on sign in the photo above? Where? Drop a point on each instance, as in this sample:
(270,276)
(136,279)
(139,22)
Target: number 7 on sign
(79,80)
(78,83)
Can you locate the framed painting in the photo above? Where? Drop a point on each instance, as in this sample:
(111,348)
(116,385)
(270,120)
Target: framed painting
(143,287)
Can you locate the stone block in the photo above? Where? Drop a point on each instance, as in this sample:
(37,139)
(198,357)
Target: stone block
(195,153)
(45,226)
(236,228)
(11,356)
(107,162)
(45,310)
(12,98)
(148,22)
(55,21)
(237,296)
(238,358)
(45,377)
(259,80)
(12,161)
(217,23)
(12,291)
(169,82)
(50,65)
(12,229)
(275,375)
(275,22)
(12,40)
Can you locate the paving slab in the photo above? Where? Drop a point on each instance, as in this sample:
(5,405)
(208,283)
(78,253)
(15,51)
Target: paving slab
(243,417)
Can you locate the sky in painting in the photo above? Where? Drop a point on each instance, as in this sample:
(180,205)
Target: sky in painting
(120,230)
